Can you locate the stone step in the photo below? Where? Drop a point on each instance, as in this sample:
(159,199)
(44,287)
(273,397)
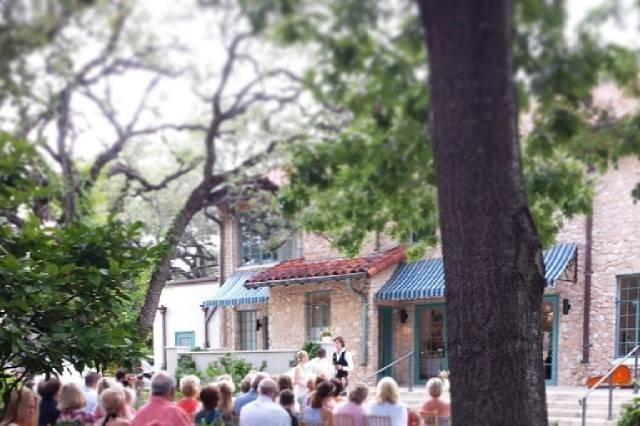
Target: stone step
(573,421)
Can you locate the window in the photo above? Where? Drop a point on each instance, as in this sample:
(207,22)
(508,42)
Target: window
(318,314)
(186,339)
(247,336)
(628,314)
(266,240)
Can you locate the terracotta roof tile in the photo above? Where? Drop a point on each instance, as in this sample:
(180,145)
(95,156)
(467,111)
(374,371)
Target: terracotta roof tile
(371,265)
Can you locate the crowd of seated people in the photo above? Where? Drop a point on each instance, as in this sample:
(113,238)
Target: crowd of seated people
(262,401)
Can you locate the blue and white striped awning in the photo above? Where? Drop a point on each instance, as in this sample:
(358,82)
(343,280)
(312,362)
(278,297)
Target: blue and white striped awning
(425,278)
(233,292)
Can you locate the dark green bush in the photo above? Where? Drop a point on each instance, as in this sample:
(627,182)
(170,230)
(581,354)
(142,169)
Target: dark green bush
(631,414)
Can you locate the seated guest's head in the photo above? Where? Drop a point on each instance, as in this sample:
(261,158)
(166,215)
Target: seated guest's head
(162,385)
(189,386)
(285,382)
(71,399)
(49,389)
(245,385)
(319,379)
(311,384)
(287,399)
(226,396)
(434,388)
(103,385)
(339,387)
(210,395)
(91,379)
(359,394)
(321,353)
(268,388)
(323,391)
(387,391)
(257,379)
(113,402)
(22,408)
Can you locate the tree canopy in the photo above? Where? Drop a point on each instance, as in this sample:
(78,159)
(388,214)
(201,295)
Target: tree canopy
(68,295)
(367,165)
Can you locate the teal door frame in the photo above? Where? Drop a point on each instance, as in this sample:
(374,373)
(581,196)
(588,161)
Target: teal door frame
(554,299)
(416,338)
(385,315)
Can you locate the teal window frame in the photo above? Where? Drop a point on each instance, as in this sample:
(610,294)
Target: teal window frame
(416,337)
(311,332)
(627,314)
(246,330)
(178,335)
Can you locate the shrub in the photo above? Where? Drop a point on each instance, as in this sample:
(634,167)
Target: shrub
(631,414)
(230,364)
(186,366)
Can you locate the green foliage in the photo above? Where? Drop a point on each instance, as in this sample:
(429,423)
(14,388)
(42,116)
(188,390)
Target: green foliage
(67,294)
(186,367)
(631,414)
(228,364)
(367,165)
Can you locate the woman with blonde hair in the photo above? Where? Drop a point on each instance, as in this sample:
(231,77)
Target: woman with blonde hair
(190,387)
(103,385)
(22,409)
(387,403)
(113,402)
(301,375)
(71,404)
(434,404)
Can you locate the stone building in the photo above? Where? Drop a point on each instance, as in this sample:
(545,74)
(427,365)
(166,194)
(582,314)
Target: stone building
(386,308)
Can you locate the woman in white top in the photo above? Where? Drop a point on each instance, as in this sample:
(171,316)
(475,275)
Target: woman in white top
(300,377)
(387,403)
(22,409)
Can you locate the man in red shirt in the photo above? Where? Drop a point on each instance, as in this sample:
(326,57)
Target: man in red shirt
(160,410)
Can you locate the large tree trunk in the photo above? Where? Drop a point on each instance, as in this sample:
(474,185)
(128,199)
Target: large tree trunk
(196,201)
(492,258)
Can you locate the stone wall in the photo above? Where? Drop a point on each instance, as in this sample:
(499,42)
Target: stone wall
(230,323)
(616,251)
(288,317)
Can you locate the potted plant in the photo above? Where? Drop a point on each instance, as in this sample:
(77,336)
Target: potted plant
(326,335)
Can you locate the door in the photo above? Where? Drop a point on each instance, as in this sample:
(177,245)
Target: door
(386,339)
(430,341)
(549,329)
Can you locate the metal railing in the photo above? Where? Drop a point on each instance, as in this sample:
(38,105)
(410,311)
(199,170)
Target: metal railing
(391,364)
(583,401)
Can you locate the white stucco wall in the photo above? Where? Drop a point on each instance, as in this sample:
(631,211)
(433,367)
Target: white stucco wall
(183,302)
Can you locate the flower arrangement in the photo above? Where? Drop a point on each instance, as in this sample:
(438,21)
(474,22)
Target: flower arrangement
(326,333)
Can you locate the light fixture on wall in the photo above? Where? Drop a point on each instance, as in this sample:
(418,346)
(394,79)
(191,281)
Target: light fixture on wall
(258,325)
(404,316)
(566,306)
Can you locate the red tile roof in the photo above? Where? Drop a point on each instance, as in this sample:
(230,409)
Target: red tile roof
(293,269)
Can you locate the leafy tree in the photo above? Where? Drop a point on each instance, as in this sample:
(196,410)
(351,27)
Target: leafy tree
(67,294)
(363,168)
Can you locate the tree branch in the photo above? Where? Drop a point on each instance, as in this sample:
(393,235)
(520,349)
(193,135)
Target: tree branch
(146,186)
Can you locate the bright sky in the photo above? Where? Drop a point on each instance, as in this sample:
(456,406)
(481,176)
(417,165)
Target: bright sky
(179,21)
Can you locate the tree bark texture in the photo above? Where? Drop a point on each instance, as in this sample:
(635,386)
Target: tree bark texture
(196,201)
(492,258)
